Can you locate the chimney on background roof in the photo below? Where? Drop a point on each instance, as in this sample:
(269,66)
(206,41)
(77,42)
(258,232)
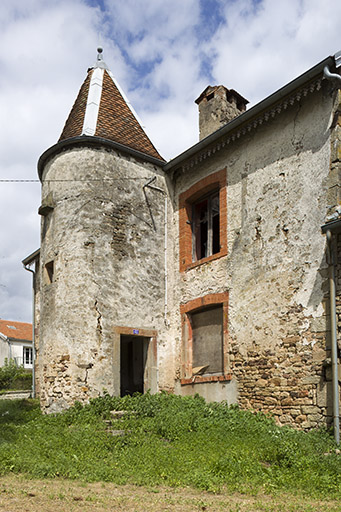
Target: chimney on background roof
(217,106)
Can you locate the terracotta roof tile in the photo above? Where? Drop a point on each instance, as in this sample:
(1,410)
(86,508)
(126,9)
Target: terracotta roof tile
(74,123)
(115,121)
(16,330)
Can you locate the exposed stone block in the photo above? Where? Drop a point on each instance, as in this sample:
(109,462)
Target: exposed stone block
(310,409)
(287,402)
(311,379)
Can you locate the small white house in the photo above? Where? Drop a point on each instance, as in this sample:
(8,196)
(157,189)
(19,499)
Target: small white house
(16,343)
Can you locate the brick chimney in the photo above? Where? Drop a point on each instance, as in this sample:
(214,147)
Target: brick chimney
(218,106)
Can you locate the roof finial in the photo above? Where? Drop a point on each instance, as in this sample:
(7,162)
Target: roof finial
(100,62)
(100,51)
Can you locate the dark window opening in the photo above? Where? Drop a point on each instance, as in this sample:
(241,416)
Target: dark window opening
(210,96)
(207,332)
(49,267)
(206,227)
(133,359)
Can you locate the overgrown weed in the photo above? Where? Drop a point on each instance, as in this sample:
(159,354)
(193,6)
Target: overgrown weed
(168,440)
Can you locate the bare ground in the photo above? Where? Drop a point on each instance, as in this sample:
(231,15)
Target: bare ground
(18,494)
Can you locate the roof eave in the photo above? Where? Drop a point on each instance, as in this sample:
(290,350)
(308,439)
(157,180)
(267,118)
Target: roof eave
(333,226)
(19,340)
(253,112)
(31,257)
(91,140)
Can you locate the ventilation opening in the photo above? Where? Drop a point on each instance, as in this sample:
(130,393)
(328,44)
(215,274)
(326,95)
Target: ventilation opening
(134,350)
(210,96)
(49,271)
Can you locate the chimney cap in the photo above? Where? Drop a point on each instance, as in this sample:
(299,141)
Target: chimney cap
(230,93)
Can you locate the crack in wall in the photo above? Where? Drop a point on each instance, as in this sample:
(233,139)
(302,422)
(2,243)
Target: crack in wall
(87,373)
(99,329)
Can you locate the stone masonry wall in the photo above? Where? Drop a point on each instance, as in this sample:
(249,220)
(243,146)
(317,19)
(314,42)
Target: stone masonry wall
(275,270)
(104,234)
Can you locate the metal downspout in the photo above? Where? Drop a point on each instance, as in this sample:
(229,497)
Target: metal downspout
(9,348)
(6,338)
(329,75)
(335,383)
(33,331)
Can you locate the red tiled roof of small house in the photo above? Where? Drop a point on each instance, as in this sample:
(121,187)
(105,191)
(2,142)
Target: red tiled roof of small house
(16,330)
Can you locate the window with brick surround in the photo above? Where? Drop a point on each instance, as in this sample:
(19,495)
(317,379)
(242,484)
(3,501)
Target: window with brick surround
(205,339)
(203,221)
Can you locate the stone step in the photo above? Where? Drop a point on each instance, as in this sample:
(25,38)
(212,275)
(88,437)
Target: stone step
(15,395)
(120,414)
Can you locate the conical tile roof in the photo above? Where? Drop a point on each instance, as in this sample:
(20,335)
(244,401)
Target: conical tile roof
(101,110)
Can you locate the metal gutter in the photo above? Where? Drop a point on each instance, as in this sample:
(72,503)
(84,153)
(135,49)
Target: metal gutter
(90,140)
(254,111)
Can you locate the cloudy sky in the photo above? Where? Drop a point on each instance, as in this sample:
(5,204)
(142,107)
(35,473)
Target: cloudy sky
(163,53)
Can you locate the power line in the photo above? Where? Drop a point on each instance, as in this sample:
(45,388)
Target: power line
(79,181)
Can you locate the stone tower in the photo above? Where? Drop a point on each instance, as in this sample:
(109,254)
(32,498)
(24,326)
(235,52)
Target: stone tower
(102,242)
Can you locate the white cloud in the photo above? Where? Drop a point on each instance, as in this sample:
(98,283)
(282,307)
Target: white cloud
(44,58)
(262,47)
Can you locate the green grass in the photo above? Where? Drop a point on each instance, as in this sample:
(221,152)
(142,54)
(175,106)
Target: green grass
(171,441)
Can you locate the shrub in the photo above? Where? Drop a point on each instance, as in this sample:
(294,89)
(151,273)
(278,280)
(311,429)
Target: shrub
(14,377)
(23,380)
(8,373)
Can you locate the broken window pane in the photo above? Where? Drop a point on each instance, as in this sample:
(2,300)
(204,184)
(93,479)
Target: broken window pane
(215,224)
(206,227)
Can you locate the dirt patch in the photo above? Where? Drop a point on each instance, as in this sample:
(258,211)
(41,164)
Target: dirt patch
(18,494)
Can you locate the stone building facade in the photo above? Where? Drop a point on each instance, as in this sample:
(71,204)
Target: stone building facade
(206,274)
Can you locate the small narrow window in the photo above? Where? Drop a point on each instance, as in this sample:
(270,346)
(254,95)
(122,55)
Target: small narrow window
(49,270)
(206,227)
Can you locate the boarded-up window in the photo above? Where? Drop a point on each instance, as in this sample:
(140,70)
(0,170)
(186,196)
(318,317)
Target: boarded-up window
(207,332)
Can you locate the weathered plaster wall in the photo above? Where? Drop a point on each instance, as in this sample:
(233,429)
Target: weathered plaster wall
(17,350)
(275,270)
(105,236)
(3,351)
